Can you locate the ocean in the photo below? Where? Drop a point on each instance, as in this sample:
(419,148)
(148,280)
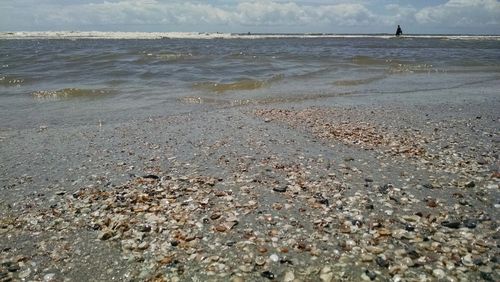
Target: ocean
(71,79)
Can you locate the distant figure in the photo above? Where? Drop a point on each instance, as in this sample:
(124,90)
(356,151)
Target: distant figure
(399,31)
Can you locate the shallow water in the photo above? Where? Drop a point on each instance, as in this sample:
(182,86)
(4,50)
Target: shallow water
(63,82)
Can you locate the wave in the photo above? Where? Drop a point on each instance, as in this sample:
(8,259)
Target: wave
(355,82)
(394,66)
(243,84)
(217,35)
(411,68)
(168,56)
(368,61)
(68,93)
(9,81)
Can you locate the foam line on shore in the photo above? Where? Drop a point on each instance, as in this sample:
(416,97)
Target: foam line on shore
(215,35)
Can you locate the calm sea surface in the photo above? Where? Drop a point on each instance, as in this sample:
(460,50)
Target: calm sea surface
(76,82)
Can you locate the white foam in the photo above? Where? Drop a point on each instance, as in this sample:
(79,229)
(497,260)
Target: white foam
(215,35)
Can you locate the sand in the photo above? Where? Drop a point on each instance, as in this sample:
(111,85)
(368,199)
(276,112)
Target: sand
(380,187)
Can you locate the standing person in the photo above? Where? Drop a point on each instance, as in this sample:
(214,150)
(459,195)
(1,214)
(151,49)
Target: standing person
(399,31)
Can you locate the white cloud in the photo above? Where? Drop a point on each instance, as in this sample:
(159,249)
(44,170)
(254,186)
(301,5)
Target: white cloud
(256,15)
(244,13)
(461,13)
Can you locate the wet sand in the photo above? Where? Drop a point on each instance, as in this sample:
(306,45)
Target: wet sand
(393,186)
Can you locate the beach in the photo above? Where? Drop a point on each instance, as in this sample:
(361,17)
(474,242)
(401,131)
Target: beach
(385,172)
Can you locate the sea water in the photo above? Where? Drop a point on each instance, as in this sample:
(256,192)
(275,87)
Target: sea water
(68,79)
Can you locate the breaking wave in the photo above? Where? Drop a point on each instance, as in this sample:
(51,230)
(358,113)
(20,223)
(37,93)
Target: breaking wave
(354,82)
(9,81)
(68,93)
(411,68)
(216,35)
(243,84)
(394,66)
(168,56)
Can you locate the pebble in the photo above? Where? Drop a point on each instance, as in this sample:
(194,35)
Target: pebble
(274,258)
(105,235)
(289,276)
(268,274)
(366,258)
(451,224)
(370,274)
(470,184)
(409,227)
(382,262)
(438,273)
(49,277)
(280,189)
(467,260)
(260,260)
(24,274)
(470,223)
(326,274)
(13,267)
(246,268)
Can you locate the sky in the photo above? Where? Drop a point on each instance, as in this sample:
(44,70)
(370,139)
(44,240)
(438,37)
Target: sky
(279,16)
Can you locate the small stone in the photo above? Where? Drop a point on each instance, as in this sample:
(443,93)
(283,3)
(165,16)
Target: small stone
(246,268)
(372,275)
(262,250)
(438,273)
(409,227)
(143,246)
(382,262)
(268,274)
(384,232)
(151,176)
(478,261)
(13,267)
(467,260)
(25,273)
(485,269)
(49,277)
(260,261)
(274,258)
(365,277)
(105,235)
(215,215)
(221,228)
(385,189)
(470,223)
(366,258)
(451,224)
(487,276)
(326,274)
(280,189)
(145,228)
(432,203)
(289,276)
(428,186)
(374,250)
(470,184)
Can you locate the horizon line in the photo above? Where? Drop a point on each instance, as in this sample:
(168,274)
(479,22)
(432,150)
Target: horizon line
(240,33)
